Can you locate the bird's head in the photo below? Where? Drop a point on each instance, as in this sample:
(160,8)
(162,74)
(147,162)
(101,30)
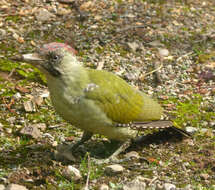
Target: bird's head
(52,59)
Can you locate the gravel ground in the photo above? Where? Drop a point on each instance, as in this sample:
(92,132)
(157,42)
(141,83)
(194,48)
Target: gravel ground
(131,39)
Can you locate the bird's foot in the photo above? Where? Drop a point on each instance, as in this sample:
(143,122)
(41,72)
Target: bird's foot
(111,159)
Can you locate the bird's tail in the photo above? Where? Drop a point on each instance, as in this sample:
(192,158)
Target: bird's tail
(158,125)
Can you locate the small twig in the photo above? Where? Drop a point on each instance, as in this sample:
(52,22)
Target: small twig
(11,73)
(6,15)
(155,70)
(88,173)
(66,1)
(131,27)
(156,74)
(185,55)
(152,181)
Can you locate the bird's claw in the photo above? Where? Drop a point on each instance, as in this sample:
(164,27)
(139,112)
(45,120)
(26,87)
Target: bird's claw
(111,159)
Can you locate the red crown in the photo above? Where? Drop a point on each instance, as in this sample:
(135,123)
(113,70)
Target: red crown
(56,45)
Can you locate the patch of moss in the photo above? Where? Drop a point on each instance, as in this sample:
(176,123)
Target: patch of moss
(14,18)
(190,111)
(22,70)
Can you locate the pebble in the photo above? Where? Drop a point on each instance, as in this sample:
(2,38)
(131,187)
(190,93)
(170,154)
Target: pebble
(163,52)
(72,173)
(203,130)
(15,187)
(212,123)
(29,106)
(204,176)
(44,15)
(54,144)
(156,43)
(17,96)
(9,130)
(38,100)
(41,126)
(204,123)
(169,186)
(2,32)
(191,129)
(104,187)
(11,120)
(2,187)
(32,131)
(188,187)
(134,185)
(113,169)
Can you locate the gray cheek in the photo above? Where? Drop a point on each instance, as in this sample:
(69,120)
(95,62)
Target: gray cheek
(51,69)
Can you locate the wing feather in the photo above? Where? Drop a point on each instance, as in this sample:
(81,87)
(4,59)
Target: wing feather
(121,102)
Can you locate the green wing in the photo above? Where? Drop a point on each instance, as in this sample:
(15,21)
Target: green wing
(121,102)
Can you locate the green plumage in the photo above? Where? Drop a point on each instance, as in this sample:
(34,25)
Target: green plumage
(121,102)
(93,100)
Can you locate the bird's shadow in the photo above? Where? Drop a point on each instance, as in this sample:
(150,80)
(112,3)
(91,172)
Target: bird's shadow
(103,149)
(35,155)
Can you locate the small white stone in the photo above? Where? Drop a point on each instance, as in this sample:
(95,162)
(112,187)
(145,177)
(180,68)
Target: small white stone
(72,173)
(9,130)
(2,187)
(136,184)
(104,187)
(29,106)
(94,26)
(114,169)
(188,187)
(191,129)
(163,52)
(38,100)
(2,32)
(17,96)
(44,15)
(204,130)
(15,187)
(205,176)
(32,131)
(54,144)
(169,186)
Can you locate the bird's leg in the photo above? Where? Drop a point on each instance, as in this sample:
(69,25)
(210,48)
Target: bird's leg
(85,137)
(113,157)
(121,149)
(66,152)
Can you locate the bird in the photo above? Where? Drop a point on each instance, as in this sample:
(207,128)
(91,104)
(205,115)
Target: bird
(96,101)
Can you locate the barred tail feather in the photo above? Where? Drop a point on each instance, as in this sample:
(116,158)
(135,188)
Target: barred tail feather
(158,125)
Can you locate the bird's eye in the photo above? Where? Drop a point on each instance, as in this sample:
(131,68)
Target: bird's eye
(55,57)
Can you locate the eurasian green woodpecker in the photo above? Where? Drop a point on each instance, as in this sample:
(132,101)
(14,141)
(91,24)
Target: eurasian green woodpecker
(95,101)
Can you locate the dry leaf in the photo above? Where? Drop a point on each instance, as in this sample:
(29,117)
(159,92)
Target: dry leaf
(21,89)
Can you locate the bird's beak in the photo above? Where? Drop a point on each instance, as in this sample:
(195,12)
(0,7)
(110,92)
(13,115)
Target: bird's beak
(32,57)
